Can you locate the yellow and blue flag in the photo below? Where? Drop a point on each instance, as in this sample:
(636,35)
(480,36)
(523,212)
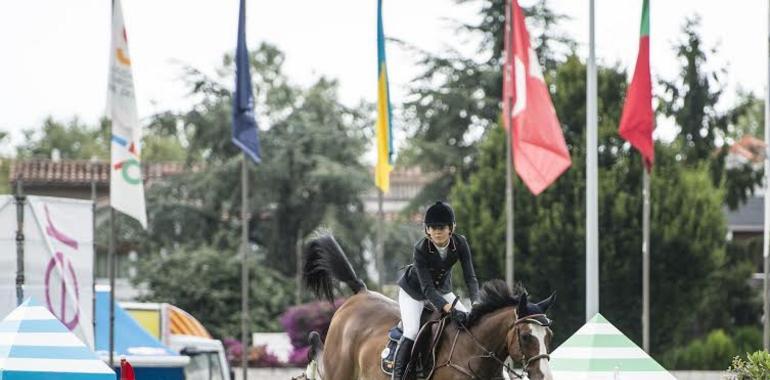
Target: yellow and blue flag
(384,128)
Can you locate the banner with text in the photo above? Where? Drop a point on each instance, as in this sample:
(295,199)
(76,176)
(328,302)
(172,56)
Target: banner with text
(58,259)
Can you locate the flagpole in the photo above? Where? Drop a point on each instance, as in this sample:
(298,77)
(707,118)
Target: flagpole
(509,269)
(92,165)
(244,267)
(646,260)
(298,280)
(380,250)
(111,270)
(111,249)
(592,229)
(509,277)
(766,234)
(20,200)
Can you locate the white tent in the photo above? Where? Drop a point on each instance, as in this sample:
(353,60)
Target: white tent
(599,351)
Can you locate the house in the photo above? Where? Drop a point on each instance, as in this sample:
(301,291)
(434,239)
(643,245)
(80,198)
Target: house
(747,221)
(405,184)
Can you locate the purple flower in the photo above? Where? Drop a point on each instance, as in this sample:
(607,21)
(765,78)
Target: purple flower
(298,357)
(298,321)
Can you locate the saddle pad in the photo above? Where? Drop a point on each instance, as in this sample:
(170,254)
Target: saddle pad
(423,355)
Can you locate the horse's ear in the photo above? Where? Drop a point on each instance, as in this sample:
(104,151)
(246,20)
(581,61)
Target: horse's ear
(521,310)
(546,303)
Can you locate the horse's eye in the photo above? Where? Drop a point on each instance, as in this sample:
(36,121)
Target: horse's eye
(526,338)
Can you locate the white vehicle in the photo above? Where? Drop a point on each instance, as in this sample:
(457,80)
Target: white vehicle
(181,332)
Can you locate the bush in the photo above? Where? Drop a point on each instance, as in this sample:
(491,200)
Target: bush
(718,350)
(747,339)
(298,321)
(713,353)
(756,368)
(258,356)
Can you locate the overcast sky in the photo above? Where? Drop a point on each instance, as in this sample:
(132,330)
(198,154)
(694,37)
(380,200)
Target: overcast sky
(55,53)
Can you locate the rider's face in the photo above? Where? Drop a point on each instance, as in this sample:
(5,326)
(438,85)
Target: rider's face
(439,234)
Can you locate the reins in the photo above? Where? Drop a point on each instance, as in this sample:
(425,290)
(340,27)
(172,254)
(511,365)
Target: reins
(471,373)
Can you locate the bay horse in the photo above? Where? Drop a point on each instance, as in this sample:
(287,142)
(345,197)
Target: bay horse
(503,324)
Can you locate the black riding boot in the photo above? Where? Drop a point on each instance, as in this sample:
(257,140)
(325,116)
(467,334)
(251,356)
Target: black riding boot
(403,352)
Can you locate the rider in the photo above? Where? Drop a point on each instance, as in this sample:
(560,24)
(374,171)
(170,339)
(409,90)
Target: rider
(429,278)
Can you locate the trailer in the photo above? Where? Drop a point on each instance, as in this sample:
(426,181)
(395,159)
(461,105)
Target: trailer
(183,333)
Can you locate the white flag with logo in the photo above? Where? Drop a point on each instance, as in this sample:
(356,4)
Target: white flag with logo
(126,184)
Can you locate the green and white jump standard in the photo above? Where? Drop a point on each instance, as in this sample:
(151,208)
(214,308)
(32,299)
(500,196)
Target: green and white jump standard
(599,351)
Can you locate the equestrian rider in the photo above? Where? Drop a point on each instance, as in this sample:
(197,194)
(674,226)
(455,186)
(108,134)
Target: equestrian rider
(429,278)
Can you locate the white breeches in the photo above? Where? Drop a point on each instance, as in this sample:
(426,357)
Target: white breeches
(411,309)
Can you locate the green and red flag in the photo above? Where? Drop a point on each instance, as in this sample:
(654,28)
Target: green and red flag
(638,121)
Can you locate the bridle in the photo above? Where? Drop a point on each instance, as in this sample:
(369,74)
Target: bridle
(539,319)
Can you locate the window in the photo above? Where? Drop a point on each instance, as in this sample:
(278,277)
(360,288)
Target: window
(203,366)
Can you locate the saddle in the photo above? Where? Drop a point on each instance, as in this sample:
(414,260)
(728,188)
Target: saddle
(423,355)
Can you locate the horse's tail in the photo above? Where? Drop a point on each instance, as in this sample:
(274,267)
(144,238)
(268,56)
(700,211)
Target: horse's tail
(325,261)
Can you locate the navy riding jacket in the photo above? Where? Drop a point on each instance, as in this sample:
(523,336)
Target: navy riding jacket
(429,276)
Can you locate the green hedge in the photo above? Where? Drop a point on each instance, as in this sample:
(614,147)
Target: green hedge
(715,352)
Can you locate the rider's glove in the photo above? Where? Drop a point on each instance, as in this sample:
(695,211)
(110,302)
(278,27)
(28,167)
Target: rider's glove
(460,317)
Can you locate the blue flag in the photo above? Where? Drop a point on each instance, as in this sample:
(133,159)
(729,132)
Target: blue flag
(245,134)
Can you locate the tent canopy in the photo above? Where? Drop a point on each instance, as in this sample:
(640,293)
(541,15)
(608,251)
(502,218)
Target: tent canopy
(34,345)
(599,351)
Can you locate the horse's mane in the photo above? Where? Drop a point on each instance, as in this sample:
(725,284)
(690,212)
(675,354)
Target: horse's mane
(495,295)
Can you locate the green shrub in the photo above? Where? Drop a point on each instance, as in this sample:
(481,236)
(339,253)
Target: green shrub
(757,367)
(718,350)
(713,353)
(747,339)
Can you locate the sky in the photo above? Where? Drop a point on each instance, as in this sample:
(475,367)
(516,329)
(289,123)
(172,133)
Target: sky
(55,53)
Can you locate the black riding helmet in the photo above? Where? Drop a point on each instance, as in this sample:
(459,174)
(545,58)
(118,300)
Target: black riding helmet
(439,214)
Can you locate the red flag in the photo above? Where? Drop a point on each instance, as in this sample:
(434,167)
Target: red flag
(126,371)
(540,154)
(637,122)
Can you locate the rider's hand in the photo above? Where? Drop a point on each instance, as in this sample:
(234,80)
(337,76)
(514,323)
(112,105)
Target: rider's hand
(447,308)
(460,317)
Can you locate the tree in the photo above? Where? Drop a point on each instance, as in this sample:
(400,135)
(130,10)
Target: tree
(547,227)
(691,101)
(742,178)
(747,117)
(549,234)
(73,141)
(78,141)
(4,169)
(457,98)
(211,290)
(311,163)
(310,177)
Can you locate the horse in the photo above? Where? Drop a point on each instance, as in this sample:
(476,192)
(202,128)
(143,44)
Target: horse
(502,324)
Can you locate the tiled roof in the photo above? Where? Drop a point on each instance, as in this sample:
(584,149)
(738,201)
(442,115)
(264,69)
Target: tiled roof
(750,148)
(80,172)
